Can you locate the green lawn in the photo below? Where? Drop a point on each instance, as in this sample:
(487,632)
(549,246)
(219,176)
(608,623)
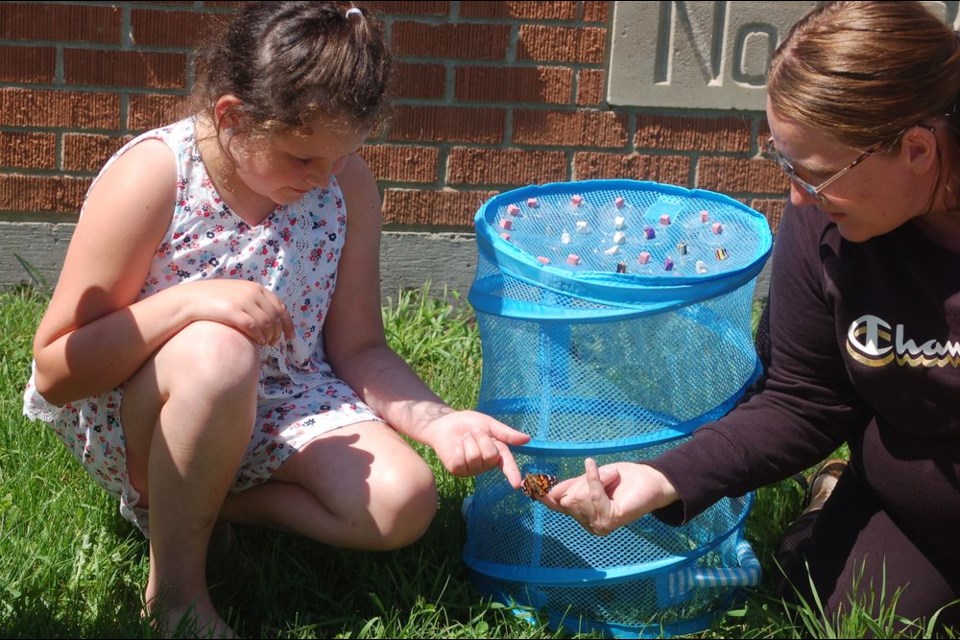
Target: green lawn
(70,566)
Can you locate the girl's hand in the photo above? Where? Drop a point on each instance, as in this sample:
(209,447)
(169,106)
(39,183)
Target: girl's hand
(469,443)
(606,498)
(247,306)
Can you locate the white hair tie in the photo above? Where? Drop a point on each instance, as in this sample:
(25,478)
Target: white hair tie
(353,11)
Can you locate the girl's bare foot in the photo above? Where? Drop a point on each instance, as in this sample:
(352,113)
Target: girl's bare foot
(190,621)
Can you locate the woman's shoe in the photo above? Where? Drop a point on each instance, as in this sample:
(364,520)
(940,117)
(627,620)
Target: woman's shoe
(821,484)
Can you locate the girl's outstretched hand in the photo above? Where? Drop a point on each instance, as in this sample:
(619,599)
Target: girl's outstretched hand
(608,497)
(469,443)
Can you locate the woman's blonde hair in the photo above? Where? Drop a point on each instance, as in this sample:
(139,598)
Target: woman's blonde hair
(867,71)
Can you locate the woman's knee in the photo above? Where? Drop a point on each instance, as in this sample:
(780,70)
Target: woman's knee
(203,368)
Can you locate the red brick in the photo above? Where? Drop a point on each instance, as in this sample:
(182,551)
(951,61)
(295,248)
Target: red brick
(688,133)
(509,167)
(60,22)
(424,81)
(447,124)
(590,86)
(556,111)
(28,150)
(551,85)
(525,10)
(584,45)
(125,68)
(458,41)
(668,169)
(37,194)
(149,111)
(88,152)
(740,175)
(69,109)
(28,64)
(594,11)
(570,128)
(170,28)
(394,163)
(217,4)
(772,210)
(433,208)
(409,8)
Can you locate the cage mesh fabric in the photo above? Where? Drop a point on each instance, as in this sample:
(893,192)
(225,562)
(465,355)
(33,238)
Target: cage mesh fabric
(521,538)
(633,607)
(626,247)
(635,379)
(615,318)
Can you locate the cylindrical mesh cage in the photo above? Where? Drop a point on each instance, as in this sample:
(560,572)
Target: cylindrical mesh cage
(615,318)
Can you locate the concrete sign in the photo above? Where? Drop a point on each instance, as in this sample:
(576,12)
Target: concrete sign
(703,55)
(697,55)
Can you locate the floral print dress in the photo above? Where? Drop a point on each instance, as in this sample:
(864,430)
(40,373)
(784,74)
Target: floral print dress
(293,252)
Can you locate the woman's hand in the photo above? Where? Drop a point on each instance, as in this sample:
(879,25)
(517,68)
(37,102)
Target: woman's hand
(247,306)
(469,443)
(606,498)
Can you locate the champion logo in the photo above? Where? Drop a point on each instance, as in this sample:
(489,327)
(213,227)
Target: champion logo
(873,342)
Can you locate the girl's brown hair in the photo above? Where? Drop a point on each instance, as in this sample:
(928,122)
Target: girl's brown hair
(289,62)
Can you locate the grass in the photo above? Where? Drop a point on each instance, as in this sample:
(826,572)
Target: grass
(70,566)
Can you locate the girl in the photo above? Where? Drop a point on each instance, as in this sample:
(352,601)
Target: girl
(214,349)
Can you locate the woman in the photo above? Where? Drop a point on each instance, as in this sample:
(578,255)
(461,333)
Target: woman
(864,325)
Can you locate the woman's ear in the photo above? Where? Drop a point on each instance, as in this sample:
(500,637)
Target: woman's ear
(919,148)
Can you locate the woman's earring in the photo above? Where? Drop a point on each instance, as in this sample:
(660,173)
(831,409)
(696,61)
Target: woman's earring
(229,131)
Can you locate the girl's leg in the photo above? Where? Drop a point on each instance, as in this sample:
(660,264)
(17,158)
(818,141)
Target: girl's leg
(187,417)
(360,487)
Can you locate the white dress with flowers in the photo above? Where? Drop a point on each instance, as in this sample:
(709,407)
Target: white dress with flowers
(293,252)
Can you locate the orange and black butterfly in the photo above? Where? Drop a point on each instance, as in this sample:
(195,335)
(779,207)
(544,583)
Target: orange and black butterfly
(536,485)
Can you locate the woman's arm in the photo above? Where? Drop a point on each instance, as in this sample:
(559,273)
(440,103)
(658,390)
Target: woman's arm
(805,409)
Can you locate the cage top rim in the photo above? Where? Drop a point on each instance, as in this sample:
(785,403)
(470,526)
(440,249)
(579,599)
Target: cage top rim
(525,262)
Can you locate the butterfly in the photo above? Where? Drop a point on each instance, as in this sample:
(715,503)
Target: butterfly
(536,485)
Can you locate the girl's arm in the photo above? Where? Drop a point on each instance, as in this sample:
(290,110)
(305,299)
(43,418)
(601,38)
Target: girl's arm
(467,442)
(354,336)
(95,334)
(90,338)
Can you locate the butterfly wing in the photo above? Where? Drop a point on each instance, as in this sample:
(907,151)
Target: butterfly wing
(536,485)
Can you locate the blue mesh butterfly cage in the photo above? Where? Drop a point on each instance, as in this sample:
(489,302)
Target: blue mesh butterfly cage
(614,318)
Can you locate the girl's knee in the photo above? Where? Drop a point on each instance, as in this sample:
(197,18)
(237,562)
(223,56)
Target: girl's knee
(216,357)
(407,505)
(204,379)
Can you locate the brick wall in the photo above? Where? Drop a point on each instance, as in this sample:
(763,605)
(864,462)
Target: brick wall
(490,96)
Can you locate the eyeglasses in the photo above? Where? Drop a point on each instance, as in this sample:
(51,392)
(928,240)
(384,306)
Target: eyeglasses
(770,152)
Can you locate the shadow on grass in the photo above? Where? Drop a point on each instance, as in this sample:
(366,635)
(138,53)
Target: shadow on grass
(281,584)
